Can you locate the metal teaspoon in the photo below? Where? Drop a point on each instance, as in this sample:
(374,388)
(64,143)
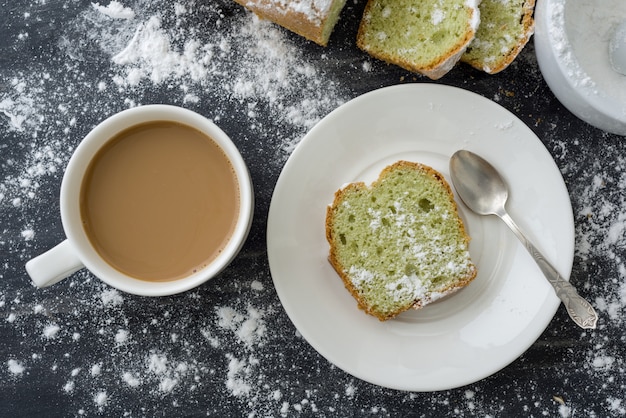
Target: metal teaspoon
(483,190)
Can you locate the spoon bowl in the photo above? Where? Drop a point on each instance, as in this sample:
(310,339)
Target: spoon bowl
(482,188)
(484,191)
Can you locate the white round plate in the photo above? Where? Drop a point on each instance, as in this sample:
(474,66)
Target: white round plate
(459,339)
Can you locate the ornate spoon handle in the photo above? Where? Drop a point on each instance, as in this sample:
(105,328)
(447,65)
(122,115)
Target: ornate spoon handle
(581,311)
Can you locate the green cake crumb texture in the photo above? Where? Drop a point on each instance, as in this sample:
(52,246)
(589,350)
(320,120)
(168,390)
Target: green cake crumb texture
(505,26)
(400,241)
(418,32)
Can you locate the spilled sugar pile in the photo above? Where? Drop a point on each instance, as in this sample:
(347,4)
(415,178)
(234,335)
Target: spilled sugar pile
(161,356)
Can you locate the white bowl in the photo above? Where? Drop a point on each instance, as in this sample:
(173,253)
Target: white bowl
(584,85)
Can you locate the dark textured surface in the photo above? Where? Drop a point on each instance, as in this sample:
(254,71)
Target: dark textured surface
(64,347)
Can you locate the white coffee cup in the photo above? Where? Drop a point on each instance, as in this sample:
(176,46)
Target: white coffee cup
(77,252)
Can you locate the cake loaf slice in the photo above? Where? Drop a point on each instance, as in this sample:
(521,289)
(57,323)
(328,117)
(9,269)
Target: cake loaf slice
(399,243)
(505,28)
(313,19)
(423,36)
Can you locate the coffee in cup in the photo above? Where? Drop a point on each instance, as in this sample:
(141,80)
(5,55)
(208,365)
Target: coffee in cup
(154,201)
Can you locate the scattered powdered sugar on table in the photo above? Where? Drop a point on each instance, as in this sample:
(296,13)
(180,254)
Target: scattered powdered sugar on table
(115,10)
(50,331)
(249,327)
(603,231)
(174,367)
(599,206)
(111,297)
(273,80)
(147,48)
(173,353)
(15,367)
(271,72)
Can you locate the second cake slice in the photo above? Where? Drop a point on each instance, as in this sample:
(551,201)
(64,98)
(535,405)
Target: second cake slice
(424,36)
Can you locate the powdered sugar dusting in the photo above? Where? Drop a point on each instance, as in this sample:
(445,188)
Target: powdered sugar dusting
(115,10)
(563,49)
(273,76)
(50,331)
(227,348)
(314,10)
(111,297)
(15,367)
(437,16)
(151,48)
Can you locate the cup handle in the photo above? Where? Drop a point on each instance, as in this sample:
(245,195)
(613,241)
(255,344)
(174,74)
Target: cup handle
(54,265)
